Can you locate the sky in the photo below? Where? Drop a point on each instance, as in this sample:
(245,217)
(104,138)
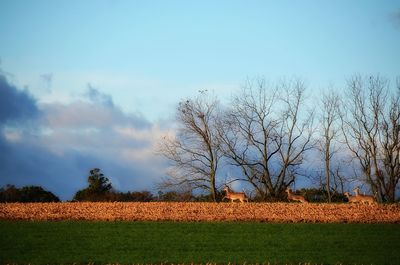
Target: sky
(88,84)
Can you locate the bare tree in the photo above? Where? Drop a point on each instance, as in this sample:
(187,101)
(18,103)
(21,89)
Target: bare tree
(194,151)
(389,138)
(266,133)
(339,178)
(372,133)
(329,118)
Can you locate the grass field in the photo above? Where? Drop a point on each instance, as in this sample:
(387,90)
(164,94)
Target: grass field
(223,242)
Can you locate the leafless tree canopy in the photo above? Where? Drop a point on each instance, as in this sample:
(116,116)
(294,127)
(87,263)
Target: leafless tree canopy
(266,133)
(268,130)
(372,131)
(330,129)
(195,150)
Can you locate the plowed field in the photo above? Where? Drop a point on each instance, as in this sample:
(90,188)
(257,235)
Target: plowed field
(184,211)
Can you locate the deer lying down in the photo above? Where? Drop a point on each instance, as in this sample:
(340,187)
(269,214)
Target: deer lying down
(235,195)
(358,198)
(294,197)
(361,198)
(351,199)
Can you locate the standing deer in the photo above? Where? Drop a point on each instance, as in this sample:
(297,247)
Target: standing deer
(294,197)
(235,195)
(363,198)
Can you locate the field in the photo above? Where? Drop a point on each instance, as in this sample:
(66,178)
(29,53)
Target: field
(175,211)
(161,232)
(102,242)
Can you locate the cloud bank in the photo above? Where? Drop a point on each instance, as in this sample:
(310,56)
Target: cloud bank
(55,145)
(15,105)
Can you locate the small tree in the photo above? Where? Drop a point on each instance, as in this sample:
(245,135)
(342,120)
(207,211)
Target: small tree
(98,183)
(99,187)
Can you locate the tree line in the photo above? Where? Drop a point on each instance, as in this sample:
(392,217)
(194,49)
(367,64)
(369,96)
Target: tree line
(100,190)
(271,136)
(10,193)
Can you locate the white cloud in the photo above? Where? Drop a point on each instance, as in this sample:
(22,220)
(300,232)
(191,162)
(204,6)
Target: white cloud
(94,128)
(68,139)
(12,135)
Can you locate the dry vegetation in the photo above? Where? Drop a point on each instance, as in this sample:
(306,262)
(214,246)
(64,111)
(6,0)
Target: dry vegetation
(181,211)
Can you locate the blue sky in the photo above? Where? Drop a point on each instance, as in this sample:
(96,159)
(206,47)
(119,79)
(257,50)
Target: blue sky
(145,52)
(132,61)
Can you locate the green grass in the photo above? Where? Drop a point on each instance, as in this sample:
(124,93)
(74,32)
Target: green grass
(155,242)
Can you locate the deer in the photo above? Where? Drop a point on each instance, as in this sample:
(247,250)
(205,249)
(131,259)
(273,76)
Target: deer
(351,199)
(235,195)
(363,198)
(294,197)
